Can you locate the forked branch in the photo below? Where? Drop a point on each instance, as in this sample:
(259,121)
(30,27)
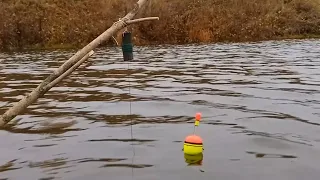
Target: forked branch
(71,64)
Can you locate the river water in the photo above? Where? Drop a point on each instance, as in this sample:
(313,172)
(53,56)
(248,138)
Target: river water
(260,105)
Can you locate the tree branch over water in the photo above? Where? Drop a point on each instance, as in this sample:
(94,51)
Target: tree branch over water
(72,64)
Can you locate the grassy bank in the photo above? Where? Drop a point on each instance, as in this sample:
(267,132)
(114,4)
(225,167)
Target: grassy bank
(73,23)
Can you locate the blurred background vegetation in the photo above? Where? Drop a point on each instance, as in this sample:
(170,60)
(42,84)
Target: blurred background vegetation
(73,23)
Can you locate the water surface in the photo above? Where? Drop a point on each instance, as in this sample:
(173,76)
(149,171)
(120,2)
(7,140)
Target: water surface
(260,104)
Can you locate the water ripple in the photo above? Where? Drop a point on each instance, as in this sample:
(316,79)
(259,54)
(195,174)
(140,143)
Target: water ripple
(254,97)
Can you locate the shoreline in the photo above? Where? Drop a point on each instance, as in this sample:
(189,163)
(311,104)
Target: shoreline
(59,24)
(76,48)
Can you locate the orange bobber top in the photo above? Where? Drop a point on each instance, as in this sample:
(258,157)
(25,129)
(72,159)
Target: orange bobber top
(193,139)
(198,116)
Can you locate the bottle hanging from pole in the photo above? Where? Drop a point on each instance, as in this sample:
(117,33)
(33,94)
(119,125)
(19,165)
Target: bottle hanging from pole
(127,47)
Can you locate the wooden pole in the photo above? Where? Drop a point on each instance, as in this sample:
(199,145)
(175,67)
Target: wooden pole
(68,72)
(35,94)
(49,82)
(141,20)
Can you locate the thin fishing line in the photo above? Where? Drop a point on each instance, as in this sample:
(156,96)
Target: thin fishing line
(130,116)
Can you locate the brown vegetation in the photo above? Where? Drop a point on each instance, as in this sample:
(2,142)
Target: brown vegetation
(54,23)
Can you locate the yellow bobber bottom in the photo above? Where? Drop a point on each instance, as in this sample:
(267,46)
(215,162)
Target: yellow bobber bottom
(195,159)
(193,145)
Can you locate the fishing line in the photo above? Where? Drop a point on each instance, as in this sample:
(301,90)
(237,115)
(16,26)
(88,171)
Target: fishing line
(127,49)
(131,120)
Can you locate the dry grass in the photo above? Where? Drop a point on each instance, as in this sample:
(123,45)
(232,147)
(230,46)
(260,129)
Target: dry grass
(48,23)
